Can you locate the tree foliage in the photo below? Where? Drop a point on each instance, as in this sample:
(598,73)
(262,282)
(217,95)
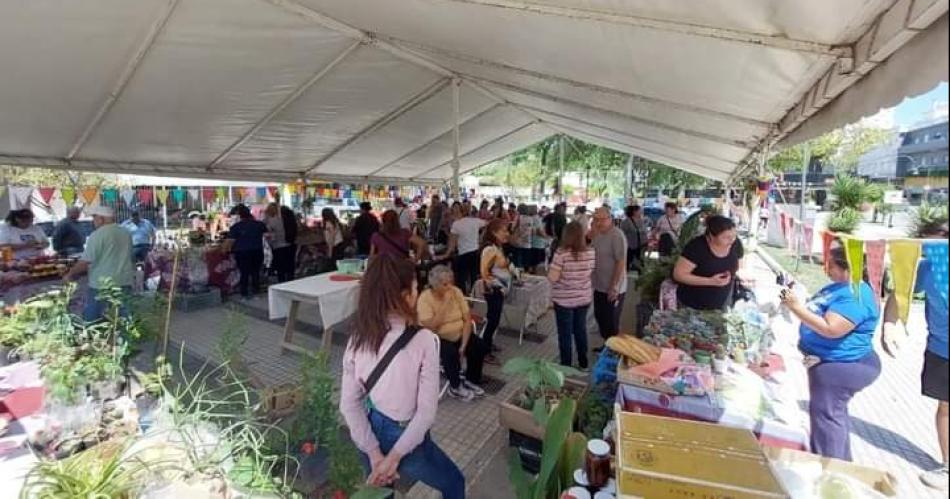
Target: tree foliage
(842,148)
(18,175)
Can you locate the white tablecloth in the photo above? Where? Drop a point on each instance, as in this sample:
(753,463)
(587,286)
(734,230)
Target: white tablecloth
(336,301)
(534,295)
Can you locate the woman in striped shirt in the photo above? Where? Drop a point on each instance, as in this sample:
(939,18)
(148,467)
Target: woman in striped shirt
(572,291)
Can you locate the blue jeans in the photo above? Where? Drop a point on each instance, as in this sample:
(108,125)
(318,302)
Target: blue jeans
(426,463)
(95,308)
(572,327)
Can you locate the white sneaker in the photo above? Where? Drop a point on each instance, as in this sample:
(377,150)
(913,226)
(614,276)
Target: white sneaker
(472,387)
(937,479)
(461,393)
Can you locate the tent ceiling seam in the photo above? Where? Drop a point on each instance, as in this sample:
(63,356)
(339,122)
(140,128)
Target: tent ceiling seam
(128,71)
(441,136)
(409,45)
(691,29)
(286,102)
(386,119)
(486,144)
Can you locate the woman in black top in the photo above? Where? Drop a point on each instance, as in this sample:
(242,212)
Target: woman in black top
(706,270)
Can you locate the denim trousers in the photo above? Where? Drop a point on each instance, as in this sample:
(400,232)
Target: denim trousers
(831,386)
(427,463)
(572,331)
(94,308)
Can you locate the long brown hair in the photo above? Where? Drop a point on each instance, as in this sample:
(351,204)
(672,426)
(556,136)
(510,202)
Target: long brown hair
(390,224)
(488,238)
(573,239)
(385,283)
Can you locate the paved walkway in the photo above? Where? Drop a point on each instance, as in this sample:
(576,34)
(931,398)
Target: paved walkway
(893,424)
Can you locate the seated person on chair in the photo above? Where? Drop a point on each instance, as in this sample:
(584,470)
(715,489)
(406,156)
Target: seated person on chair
(442,308)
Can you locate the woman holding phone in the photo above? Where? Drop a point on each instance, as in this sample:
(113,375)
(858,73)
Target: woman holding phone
(707,268)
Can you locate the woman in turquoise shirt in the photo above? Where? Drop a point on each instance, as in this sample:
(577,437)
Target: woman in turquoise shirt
(836,336)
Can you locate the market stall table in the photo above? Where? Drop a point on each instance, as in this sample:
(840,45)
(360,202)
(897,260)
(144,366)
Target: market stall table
(529,298)
(336,300)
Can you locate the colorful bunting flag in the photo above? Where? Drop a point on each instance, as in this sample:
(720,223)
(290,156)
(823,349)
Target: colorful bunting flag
(110,196)
(936,253)
(178,195)
(128,195)
(145,195)
(262,194)
(221,194)
(69,195)
(272,192)
(854,251)
(827,238)
(21,197)
(875,252)
(905,256)
(194,194)
(808,237)
(46,193)
(207,195)
(90,195)
(162,195)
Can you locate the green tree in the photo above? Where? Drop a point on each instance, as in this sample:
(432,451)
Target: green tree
(18,175)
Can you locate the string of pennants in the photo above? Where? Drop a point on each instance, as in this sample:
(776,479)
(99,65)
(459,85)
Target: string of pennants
(21,195)
(901,256)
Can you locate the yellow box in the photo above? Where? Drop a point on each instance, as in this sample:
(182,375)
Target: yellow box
(661,457)
(880,481)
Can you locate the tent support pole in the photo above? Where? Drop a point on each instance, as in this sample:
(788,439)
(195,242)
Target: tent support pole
(560,168)
(806,160)
(456,136)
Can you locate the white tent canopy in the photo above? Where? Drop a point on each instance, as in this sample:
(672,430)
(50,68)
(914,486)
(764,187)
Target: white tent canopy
(384,90)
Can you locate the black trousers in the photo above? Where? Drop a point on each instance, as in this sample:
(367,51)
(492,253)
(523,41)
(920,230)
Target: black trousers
(466,271)
(607,314)
(249,265)
(475,354)
(634,258)
(285,263)
(496,303)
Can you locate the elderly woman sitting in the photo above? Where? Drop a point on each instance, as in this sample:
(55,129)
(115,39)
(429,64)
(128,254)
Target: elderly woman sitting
(442,308)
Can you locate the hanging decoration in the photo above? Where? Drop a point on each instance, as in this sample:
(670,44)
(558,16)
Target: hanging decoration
(262,194)
(221,194)
(905,256)
(162,195)
(145,195)
(128,195)
(90,195)
(178,194)
(208,195)
(194,195)
(854,251)
(827,239)
(936,253)
(110,195)
(46,194)
(69,195)
(21,197)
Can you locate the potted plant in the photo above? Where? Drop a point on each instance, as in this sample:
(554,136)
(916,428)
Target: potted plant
(546,385)
(563,452)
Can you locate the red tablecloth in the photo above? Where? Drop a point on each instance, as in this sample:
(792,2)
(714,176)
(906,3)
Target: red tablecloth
(220,268)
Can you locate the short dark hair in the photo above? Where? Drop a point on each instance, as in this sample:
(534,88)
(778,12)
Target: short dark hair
(366,206)
(839,257)
(671,205)
(631,210)
(717,224)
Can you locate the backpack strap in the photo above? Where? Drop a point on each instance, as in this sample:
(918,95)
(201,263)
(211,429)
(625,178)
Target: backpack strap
(387,359)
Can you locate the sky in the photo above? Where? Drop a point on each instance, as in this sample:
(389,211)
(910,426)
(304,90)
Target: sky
(913,110)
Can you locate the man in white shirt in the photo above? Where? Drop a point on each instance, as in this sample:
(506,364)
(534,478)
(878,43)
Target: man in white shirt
(463,240)
(405,214)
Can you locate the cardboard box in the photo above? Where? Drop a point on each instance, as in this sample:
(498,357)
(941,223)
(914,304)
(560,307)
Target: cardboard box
(880,481)
(661,457)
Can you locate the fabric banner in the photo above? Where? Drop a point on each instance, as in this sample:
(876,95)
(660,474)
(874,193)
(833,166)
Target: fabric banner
(221,194)
(69,195)
(162,195)
(827,238)
(875,253)
(262,194)
(46,193)
(21,197)
(145,195)
(207,195)
(854,250)
(936,253)
(110,196)
(808,238)
(128,195)
(178,195)
(90,195)
(904,258)
(194,194)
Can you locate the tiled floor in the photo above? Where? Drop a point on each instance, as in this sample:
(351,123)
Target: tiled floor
(893,424)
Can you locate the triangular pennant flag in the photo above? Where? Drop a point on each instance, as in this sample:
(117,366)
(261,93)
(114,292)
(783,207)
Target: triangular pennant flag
(827,238)
(291,189)
(178,195)
(262,194)
(272,192)
(905,256)
(69,195)
(876,251)
(128,195)
(145,195)
(221,193)
(90,195)
(21,196)
(46,193)
(110,196)
(207,195)
(854,250)
(808,238)
(162,195)
(243,194)
(936,253)
(194,194)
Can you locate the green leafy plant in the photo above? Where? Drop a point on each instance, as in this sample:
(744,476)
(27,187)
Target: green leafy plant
(544,383)
(594,410)
(845,220)
(346,471)
(105,471)
(928,219)
(550,479)
(317,419)
(849,192)
(661,269)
